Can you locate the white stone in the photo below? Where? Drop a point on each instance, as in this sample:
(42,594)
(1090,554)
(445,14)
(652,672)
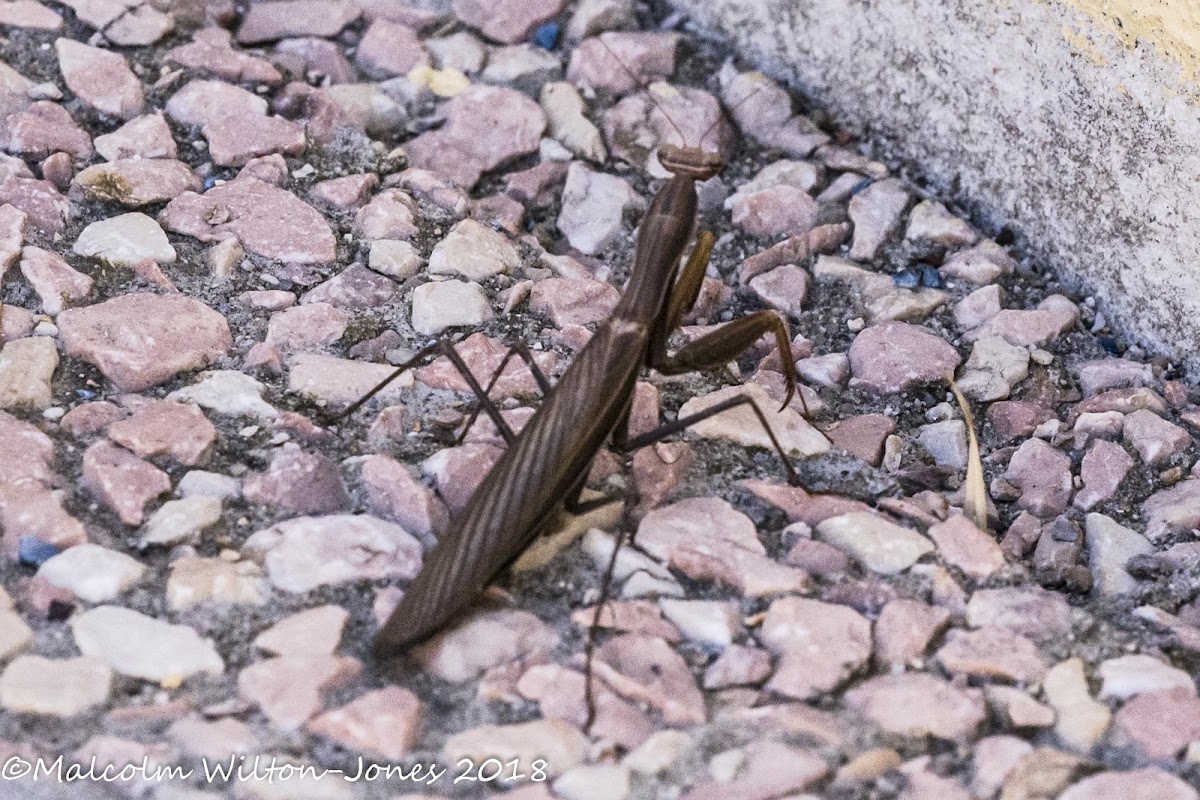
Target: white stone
(1081,720)
(881,546)
(740,424)
(1110,546)
(227,392)
(181,521)
(473,251)
(312,632)
(630,565)
(565,109)
(1129,676)
(785,172)
(993,369)
(946,441)
(594,782)
(26,368)
(143,647)
(444,304)
(395,258)
(712,622)
(55,687)
(658,753)
(125,240)
(93,573)
(201,483)
(594,205)
(14,633)
(197,580)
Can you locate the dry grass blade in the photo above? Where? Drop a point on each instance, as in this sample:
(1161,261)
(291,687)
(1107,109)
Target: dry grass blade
(975,491)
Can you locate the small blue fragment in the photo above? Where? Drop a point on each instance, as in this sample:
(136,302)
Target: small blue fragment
(209,183)
(862,185)
(546,36)
(931,278)
(1110,344)
(33,551)
(907,279)
(85,394)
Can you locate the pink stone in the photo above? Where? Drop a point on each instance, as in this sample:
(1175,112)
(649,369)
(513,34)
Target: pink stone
(1029,610)
(992,653)
(776,211)
(484,127)
(1124,401)
(46,209)
(905,628)
(1103,468)
(136,182)
(265,22)
(1156,440)
(313,632)
(236,139)
(506,23)
(201,102)
(348,192)
(535,187)
(389,49)
(795,249)
(738,665)
(783,288)
(573,302)
(1111,373)
(89,419)
(353,289)
(560,694)
(288,689)
(483,355)
(896,356)
(762,109)
(771,769)
(876,212)
(44,128)
(646,669)
(385,723)
(800,506)
(648,55)
(304,553)
(500,211)
(1013,419)
(707,539)
(982,264)
(977,307)
(29,14)
(1159,724)
(962,545)
(658,471)
(12,236)
(161,428)
(101,79)
(1023,328)
(388,216)
(141,137)
(216,740)
(819,645)
(919,704)
(308,55)
(298,483)
(306,327)
(394,494)
(863,436)
(629,616)
(1141,784)
(1042,473)
(210,51)
(53,279)
(122,481)
(639,123)
(457,471)
(482,640)
(268,221)
(818,558)
(141,340)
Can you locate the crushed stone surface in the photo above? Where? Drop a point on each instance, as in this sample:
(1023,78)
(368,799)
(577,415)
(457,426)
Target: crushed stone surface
(220,224)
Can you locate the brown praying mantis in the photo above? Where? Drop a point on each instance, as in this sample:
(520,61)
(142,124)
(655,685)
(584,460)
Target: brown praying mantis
(544,467)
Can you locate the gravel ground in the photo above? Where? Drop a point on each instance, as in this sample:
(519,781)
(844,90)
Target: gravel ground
(220,224)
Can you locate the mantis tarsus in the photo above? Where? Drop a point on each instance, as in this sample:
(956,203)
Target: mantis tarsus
(545,466)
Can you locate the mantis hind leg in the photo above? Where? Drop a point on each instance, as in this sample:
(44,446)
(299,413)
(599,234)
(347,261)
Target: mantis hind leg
(519,349)
(444,347)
